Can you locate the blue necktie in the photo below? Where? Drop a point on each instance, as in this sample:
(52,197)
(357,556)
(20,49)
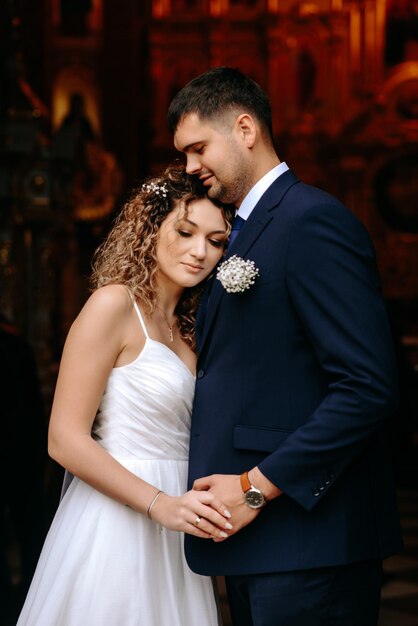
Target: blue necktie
(236,226)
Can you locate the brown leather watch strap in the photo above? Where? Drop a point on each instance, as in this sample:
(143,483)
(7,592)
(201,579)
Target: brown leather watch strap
(245,482)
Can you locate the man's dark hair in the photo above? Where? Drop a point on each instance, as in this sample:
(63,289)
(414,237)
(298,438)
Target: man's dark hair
(218,91)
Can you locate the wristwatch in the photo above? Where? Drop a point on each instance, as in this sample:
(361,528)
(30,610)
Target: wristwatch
(253,497)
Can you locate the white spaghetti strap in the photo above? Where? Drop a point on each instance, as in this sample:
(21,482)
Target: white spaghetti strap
(138,312)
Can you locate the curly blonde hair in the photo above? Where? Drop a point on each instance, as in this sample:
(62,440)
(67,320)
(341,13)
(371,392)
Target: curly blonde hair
(128,254)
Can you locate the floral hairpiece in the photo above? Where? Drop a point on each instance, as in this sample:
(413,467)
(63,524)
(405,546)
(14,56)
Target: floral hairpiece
(160,189)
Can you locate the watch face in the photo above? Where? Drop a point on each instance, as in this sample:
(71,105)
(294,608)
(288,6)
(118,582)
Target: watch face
(254,499)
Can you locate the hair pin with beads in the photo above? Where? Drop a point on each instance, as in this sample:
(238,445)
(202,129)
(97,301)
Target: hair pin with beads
(160,189)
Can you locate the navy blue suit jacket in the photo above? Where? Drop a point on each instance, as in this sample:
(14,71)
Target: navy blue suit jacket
(297,375)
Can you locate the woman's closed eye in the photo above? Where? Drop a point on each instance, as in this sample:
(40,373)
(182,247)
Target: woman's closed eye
(217,243)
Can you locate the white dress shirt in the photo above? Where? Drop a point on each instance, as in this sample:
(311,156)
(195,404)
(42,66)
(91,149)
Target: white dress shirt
(254,195)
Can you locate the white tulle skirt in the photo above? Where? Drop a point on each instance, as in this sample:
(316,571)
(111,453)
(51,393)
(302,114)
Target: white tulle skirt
(102,564)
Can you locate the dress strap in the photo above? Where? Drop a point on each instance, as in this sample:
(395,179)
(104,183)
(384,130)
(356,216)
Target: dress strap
(138,312)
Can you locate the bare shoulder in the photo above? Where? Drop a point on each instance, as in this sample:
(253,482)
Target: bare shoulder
(105,308)
(111,299)
(113,296)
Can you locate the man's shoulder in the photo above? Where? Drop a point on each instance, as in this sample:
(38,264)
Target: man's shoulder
(289,191)
(309,196)
(304,201)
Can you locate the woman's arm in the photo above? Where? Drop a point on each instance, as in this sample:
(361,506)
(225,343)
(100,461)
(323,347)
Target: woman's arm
(95,341)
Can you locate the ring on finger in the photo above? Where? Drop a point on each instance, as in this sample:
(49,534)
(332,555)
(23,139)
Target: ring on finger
(197,521)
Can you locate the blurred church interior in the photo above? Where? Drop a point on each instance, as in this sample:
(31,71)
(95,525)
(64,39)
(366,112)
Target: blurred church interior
(84,90)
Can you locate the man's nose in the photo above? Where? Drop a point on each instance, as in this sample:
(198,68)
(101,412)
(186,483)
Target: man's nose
(193,165)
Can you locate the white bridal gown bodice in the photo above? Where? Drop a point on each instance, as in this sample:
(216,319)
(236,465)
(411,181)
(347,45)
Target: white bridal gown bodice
(103,564)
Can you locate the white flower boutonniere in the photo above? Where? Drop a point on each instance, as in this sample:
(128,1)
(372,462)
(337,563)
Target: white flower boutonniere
(236,274)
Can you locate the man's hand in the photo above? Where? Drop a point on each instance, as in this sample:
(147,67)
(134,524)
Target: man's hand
(227,488)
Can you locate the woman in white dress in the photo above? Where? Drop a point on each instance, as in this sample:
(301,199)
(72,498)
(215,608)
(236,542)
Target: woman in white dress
(120,424)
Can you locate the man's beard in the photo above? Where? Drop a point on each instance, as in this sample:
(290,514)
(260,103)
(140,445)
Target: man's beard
(229,193)
(218,191)
(237,179)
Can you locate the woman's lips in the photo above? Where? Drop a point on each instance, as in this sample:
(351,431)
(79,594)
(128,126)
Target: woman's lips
(193,268)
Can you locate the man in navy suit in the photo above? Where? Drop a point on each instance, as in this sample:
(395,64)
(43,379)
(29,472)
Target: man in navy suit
(295,380)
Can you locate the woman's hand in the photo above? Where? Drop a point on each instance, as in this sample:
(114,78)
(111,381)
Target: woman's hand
(197,513)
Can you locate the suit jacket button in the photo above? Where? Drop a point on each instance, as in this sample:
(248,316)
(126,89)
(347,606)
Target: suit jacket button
(315,492)
(200,373)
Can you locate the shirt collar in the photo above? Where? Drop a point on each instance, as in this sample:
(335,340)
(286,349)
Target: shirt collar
(254,195)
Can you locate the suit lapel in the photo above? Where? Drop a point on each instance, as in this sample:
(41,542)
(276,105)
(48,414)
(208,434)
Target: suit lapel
(250,231)
(201,311)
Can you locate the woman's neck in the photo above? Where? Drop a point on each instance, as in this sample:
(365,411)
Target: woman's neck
(168,297)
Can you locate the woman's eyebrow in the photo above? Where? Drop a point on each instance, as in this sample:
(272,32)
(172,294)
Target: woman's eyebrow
(185,219)
(218,232)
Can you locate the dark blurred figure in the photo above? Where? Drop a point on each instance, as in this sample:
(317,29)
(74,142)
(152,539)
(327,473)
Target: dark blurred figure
(73,137)
(76,120)
(22,462)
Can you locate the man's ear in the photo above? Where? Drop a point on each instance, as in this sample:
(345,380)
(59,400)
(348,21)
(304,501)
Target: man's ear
(246,129)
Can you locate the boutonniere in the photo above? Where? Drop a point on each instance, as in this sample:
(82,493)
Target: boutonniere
(237,275)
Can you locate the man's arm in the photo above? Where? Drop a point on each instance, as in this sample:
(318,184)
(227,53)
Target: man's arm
(335,290)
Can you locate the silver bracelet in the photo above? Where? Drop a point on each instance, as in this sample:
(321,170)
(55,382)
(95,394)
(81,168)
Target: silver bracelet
(153,501)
